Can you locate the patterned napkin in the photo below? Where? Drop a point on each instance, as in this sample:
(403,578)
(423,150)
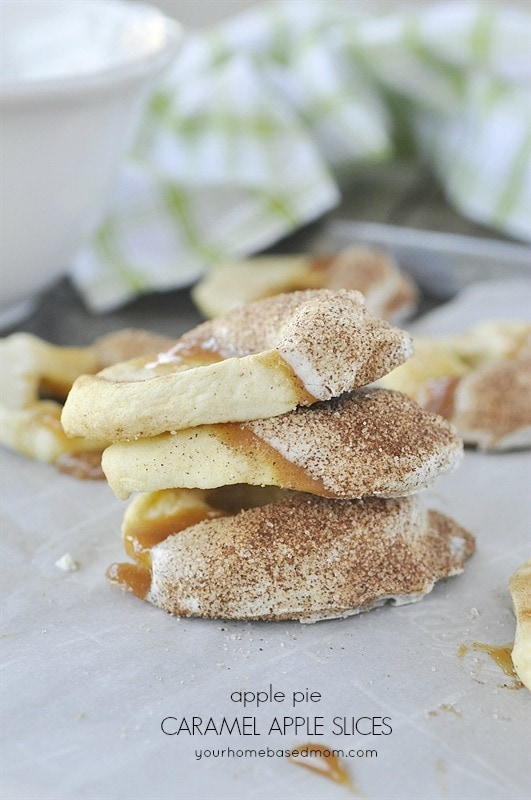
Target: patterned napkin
(260,120)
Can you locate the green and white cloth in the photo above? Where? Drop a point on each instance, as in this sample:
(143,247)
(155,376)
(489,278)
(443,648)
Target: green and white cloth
(260,120)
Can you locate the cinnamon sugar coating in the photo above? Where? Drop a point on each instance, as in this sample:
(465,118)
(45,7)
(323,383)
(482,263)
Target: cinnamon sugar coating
(328,338)
(307,558)
(480,380)
(492,406)
(387,291)
(258,361)
(372,442)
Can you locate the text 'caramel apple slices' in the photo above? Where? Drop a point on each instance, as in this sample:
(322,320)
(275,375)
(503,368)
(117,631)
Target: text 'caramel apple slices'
(256,362)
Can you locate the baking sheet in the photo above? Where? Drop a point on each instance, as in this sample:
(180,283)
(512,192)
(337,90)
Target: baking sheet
(89,673)
(442,263)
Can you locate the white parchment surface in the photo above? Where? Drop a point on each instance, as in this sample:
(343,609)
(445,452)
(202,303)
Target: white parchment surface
(89,673)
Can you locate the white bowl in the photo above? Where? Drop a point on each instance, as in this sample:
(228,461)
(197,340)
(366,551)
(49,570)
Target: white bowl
(74,79)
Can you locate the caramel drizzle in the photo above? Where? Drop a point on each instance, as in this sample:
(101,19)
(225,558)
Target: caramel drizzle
(327,764)
(54,388)
(131,578)
(500,654)
(286,474)
(139,540)
(189,352)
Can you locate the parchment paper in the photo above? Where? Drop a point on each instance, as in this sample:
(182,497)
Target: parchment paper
(89,673)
